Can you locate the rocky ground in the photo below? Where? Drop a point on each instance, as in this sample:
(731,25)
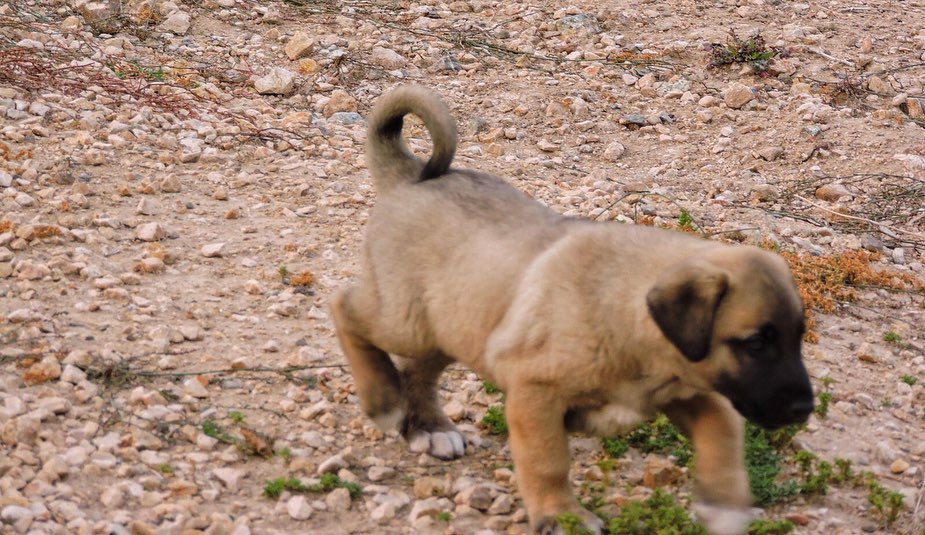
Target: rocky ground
(182,186)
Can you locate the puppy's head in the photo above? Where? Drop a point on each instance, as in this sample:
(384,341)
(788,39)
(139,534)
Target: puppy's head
(737,313)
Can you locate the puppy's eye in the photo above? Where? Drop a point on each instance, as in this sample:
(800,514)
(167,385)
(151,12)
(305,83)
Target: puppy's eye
(755,343)
(761,340)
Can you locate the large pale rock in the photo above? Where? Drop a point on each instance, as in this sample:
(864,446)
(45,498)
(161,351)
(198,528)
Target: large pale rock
(738,95)
(177,23)
(300,46)
(278,81)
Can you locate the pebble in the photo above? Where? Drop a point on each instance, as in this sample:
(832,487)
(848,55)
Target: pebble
(737,95)
(386,57)
(298,508)
(300,45)
(380,473)
(212,250)
(177,23)
(278,81)
(151,232)
(338,499)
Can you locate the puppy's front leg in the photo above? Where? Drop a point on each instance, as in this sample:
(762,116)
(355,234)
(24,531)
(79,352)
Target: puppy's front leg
(539,445)
(721,482)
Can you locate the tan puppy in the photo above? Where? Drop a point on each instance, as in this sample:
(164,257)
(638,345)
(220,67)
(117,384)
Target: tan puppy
(590,327)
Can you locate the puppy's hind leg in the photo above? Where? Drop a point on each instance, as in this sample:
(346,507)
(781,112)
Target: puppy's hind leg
(378,384)
(426,427)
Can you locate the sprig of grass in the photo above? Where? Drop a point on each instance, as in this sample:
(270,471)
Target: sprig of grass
(494,420)
(328,482)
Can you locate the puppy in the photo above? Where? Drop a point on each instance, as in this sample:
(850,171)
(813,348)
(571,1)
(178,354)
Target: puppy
(587,327)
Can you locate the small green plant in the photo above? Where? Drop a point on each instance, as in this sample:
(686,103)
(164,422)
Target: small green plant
(752,51)
(909,379)
(816,474)
(659,514)
(328,482)
(283,272)
(615,447)
(165,468)
(843,472)
(490,388)
(892,338)
(770,527)
(494,420)
(763,463)
(822,408)
(274,487)
(444,516)
(212,429)
(886,502)
(657,436)
(685,220)
(236,417)
(572,525)
(284,453)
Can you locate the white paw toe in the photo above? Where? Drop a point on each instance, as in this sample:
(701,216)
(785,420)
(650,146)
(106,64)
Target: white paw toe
(722,519)
(444,445)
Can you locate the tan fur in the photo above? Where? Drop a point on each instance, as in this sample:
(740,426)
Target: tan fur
(586,326)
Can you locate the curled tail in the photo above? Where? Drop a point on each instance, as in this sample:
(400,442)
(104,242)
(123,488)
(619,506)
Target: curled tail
(388,158)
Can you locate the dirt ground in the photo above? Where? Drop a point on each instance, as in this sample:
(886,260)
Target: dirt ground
(172,225)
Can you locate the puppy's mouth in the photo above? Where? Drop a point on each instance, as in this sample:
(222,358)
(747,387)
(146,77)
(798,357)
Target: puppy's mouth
(776,416)
(783,406)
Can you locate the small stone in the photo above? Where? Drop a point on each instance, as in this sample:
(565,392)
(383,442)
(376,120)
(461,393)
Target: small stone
(278,81)
(46,369)
(332,465)
(20,517)
(212,250)
(899,466)
(876,84)
(614,151)
(298,508)
(633,119)
(738,95)
(230,477)
(220,194)
(146,206)
(476,497)
(171,184)
(502,505)
(659,472)
(177,23)
(771,153)
(151,232)
(428,486)
(338,499)
(379,473)
(102,15)
(300,45)
(341,101)
(427,507)
(387,58)
(6,179)
(547,146)
(832,192)
(194,388)
(24,199)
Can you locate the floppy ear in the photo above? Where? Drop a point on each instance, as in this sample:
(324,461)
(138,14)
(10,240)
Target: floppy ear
(683,304)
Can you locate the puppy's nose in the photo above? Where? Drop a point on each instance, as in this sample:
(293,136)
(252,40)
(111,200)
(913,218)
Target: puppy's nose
(800,408)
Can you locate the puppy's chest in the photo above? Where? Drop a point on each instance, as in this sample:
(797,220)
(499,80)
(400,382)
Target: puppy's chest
(617,413)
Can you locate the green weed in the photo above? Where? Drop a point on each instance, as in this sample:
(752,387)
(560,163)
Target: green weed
(657,436)
(572,525)
(494,420)
(886,502)
(490,388)
(909,379)
(770,527)
(763,463)
(328,482)
(659,514)
(752,51)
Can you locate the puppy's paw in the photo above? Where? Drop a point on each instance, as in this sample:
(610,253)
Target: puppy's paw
(582,522)
(447,444)
(723,519)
